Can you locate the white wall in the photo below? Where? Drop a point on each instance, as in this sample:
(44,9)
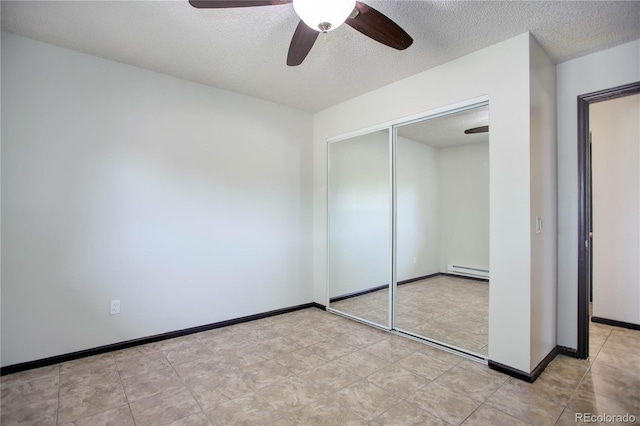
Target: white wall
(189,204)
(602,70)
(417,210)
(464,206)
(501,72)
(543,204)
(615,127)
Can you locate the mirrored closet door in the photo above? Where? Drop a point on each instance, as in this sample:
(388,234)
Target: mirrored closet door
(442,229)
(359,227)
(408,228)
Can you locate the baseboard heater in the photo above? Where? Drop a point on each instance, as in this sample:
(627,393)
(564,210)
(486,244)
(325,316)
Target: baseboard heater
(468,271)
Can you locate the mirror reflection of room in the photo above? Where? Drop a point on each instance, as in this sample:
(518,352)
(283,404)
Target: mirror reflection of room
(443,229)
(359,227)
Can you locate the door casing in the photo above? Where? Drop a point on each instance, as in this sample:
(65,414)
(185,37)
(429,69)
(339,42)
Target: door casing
(584,208)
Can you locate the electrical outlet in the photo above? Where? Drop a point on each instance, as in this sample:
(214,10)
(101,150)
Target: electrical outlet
(414,260)
(114,307)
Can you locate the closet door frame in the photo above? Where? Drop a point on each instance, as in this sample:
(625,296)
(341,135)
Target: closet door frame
(392,127)
(464,106)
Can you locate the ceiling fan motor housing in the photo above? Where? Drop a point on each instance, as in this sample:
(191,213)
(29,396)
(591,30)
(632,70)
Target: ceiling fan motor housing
(324,26)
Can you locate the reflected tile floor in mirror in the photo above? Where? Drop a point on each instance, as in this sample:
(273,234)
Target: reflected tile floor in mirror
(449,309)
(372,306)
(311,367)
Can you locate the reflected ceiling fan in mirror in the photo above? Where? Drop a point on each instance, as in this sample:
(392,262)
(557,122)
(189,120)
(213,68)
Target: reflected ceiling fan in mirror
(318,16)
(481,129)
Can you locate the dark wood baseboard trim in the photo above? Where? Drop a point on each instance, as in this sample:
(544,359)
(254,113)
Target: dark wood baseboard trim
(410,280)
(319,306)
(519,374)
(464,277)
(424,277)
(615,323)
(358,293)
(570,352)
(513,372)
(543,364)
(16,368)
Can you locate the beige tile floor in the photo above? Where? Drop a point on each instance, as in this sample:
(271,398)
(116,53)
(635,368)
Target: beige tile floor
(314,368)
(448,309)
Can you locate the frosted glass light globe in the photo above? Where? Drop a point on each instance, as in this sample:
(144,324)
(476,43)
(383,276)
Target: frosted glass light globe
(324,15)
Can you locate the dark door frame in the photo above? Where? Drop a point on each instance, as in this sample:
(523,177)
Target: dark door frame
(584,207)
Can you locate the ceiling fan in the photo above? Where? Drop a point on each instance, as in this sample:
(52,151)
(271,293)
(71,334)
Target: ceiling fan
(318,16)
(481,129)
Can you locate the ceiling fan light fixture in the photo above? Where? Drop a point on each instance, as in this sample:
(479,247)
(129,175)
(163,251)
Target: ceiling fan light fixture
(324,15)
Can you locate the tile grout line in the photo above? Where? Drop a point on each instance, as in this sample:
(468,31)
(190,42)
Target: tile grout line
(188,390)
(471,414)
(124,390)
(58,397)
(404,399)
(409,396)
(487,398)
(483,403)
(582,378)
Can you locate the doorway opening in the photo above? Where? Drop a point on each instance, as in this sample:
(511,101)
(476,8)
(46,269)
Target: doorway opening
(585,207)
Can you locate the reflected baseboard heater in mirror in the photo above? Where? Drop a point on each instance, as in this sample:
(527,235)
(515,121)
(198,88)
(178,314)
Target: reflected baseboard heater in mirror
(468,271)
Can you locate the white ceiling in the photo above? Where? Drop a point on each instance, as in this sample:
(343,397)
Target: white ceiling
(448,131)
(244,50)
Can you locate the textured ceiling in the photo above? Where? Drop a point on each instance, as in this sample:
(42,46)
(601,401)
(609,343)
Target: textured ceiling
(448,130)
(244,50)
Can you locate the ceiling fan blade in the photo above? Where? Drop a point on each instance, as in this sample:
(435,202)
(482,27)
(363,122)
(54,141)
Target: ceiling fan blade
(377,26)
(301,43)
(224,4)
(481,129)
